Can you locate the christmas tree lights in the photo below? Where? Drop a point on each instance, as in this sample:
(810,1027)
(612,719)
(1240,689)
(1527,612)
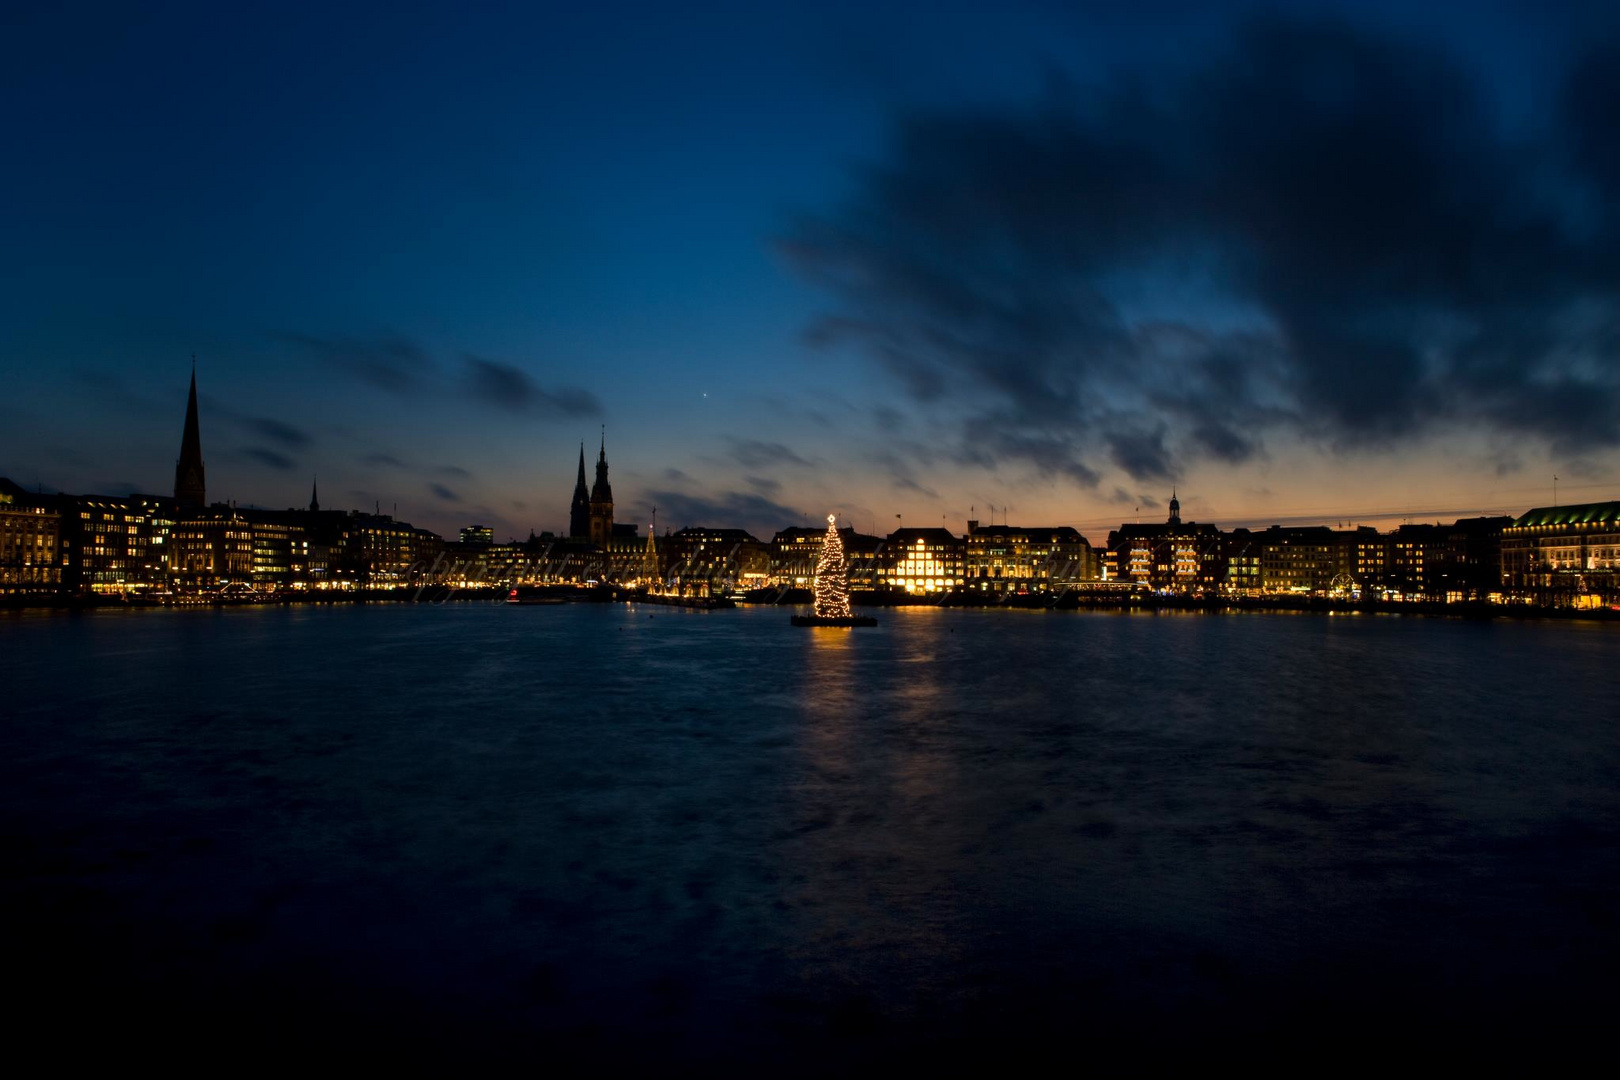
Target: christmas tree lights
(832,575)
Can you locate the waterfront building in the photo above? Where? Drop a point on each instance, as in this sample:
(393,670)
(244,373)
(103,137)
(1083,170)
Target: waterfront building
(1363,563)
(1172,556)
(1013,559)
(214,547)
(477,534)
(1298,560)
(923,562)
(369,550)
(1564,554)
(1240,553)
(794,552)
(1474,551)
(107,543)
(703,561)
(30,534)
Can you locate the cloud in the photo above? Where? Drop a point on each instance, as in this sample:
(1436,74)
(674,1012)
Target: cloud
(441,492)
(456,471)
(277,431)
(906,483)
(511,388)
(382,461)
(404,367)
(733,509)
(755,454)
(392,363)
(764,485)
(270,458)
(1320,232)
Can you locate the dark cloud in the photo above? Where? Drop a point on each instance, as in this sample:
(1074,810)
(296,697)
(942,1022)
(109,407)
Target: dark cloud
(441,492)
(676,476)
(277,431)
(382,461)
(1322,232)
(732,509)
(391,363)
(456,471)
(764,485)
(269,458)
(402,366)
(754,454)
(906,483)
(511,388)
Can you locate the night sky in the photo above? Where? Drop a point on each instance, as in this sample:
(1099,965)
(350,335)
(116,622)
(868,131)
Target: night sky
(1311,262)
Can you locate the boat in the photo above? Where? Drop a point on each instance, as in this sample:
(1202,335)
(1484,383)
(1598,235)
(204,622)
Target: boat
(530,596)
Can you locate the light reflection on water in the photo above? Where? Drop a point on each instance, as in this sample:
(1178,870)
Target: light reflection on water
(726,835)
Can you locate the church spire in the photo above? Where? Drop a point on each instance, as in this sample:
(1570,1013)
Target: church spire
(190,491)
(579,514)
(314,494)
(601,504)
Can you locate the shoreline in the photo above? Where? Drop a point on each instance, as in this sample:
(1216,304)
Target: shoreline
(1069,602)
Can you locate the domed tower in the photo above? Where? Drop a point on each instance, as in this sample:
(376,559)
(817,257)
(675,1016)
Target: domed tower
(601,500)
(1175,508)
(579,517)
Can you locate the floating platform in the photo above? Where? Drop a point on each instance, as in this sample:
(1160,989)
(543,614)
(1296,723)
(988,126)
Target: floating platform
(820,620)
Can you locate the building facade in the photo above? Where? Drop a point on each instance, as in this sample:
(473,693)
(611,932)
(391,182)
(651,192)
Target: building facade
(1564,555)
(30,555)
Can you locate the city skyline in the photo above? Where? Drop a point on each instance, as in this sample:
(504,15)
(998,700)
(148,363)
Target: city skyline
(428,283)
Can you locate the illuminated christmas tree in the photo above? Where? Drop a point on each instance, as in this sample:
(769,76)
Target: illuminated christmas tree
(832,575)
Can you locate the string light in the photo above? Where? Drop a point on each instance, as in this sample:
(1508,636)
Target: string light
(832,575)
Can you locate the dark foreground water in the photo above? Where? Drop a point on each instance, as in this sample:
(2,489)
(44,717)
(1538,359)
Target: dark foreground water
(593,836)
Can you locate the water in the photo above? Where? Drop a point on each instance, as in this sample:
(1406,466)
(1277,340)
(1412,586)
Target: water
(682,840)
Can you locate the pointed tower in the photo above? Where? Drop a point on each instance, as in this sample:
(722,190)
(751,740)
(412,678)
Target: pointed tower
(314,495)
(1175,508)
(601,505)
(579,517)
(189,490)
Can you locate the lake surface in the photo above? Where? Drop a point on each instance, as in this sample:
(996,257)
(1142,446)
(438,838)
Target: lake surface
(628,839)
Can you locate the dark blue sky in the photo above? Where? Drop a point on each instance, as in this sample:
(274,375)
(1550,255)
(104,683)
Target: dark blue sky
(1311,260)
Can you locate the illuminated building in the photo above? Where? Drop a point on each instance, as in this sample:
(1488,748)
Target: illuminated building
(795,551)
(107,544)
(1009,558)
(1564,554)
(1298,560)
(702,561)
(189,489)
(212,547)
(1240,552)
(1179,556)
(922,562)
(477,534)
(30,533)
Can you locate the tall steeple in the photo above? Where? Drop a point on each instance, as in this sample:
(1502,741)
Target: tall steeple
(601,505)
(314,494)
(189,489)
(579,516)
(1175,508)
(601,491)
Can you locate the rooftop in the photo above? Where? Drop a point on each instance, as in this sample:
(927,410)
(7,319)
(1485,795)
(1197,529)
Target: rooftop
(1578,514)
